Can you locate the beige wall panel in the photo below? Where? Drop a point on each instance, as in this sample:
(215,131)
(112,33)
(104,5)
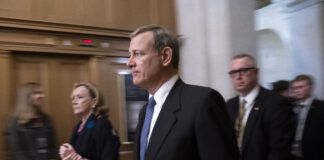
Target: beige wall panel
(129,14)
(166,14)
(65,72)
(57,74)
(107,79)
(30,71)
(61,11)
(16,9)
(26,69)
(98,13)
(5,74)
(99,71)
(116,94)
(106,73)
(115,14)
(5,94)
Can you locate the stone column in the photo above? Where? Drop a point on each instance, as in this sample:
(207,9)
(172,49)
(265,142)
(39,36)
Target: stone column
(213,31)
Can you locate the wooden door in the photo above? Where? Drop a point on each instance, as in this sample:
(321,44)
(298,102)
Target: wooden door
(57,74)
(115,76)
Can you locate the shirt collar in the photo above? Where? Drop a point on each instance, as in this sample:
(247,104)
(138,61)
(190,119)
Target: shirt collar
(250,97)
(307,102)
(162,93)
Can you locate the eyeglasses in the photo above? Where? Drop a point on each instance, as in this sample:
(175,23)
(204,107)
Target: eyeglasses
(241,71)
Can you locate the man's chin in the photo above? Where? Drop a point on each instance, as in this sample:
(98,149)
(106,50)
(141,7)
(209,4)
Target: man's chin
(240,88)
(137,82)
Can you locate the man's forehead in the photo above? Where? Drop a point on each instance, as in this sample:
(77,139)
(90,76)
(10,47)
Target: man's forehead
(299,83)
(147,36)
(141,42)
(242,62)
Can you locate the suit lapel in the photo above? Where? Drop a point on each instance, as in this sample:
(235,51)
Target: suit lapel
(233,109)
(311,111)
(165,122)
(253,117)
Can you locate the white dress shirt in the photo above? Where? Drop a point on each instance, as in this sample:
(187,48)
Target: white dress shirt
(302,115)
(249,98)
(160,95)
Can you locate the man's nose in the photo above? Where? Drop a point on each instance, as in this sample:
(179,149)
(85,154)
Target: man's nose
(130,62)
(238,75)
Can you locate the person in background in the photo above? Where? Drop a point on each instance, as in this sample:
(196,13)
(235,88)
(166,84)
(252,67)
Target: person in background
(309,137)
(93,138)
(180,121)
(281,87)
(263,120)
(30,132)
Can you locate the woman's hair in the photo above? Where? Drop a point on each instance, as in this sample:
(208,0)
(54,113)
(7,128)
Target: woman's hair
(24,109)
(99,106)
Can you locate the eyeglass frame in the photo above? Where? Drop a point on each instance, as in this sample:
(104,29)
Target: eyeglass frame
(241,71)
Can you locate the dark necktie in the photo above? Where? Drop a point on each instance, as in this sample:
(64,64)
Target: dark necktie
(146,126)
(296,149)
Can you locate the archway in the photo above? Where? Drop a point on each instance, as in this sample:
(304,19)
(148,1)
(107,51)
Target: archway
(273,57)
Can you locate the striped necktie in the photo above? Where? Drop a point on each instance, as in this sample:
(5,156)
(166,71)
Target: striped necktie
(239,123)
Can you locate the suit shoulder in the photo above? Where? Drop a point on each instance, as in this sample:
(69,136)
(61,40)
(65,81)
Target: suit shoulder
(231,100)
(102,120)
(319,101)
(269,96)
(318,104)
(199,90)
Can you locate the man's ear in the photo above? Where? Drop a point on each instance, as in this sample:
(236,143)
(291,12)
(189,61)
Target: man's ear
(166,56)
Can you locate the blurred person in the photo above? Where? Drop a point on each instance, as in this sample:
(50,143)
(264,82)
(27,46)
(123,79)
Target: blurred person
(281,87)
(309,137)
(93,138)
(263,120)
(30,130)
(180,121)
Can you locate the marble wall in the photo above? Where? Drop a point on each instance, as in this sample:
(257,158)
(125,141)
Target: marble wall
(286,37)
(299,46)
(212,32)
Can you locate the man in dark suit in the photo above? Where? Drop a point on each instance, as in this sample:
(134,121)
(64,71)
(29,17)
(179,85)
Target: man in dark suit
(263,121)
(309,138)
(181,121)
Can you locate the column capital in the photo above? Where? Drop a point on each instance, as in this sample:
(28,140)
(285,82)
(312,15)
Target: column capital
(295,5)
(290,3)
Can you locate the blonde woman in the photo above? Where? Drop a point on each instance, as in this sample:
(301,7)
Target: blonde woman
(30,130)
(93,138)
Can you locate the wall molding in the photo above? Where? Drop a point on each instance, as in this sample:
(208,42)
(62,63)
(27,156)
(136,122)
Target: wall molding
(63,28)
(30,36)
